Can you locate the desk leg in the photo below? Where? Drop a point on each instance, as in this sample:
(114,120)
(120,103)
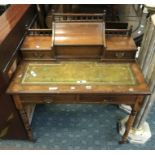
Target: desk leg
(24,116)
(129,124)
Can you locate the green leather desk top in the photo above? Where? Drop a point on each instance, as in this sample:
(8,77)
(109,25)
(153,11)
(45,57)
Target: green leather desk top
(79,73)
(78,77)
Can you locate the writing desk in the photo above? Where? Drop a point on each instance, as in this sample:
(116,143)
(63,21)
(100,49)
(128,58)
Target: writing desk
(78,82)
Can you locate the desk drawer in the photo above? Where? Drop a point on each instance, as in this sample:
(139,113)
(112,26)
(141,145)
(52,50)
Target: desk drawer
(120,54)
(69,51)
(115,99)
(47,98)
(37,55)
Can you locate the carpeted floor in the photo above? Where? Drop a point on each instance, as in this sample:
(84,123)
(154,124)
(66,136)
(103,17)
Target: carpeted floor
(76,127)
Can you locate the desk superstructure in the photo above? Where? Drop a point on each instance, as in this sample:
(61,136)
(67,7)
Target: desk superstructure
(78,61)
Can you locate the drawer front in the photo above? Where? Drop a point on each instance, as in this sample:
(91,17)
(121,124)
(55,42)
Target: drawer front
(38,55)
(78,51)
(77,98)
(120,55)
(47,98)
(115,99)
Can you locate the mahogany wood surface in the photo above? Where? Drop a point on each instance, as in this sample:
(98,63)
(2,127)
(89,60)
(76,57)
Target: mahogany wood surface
(10,18)
(120,43)
(117,48)
(78,34)
(37,42)
(12,28)
(114,43)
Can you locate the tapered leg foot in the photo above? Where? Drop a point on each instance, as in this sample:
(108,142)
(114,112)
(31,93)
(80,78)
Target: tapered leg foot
(123,141)
(33,140)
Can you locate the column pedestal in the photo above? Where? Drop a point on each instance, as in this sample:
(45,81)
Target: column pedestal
(139,136)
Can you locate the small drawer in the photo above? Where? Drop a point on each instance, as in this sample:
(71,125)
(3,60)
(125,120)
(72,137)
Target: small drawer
(38,55)
(120,54)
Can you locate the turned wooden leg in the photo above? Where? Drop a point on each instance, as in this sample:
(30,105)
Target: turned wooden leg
(129,124)
(24,116)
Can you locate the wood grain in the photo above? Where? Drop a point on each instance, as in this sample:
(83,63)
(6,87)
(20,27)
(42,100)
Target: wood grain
(78,34)
(10,18)
(36,43)
(120,43)
(12,29)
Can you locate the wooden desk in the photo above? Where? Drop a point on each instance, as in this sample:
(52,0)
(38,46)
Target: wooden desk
(78,82)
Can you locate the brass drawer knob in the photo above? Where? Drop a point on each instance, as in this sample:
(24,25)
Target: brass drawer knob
(48,100)
(120,54)
(38,55)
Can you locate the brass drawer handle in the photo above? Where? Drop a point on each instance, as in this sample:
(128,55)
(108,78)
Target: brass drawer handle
(109,99)
(48,100)
(39,55)
(120,54)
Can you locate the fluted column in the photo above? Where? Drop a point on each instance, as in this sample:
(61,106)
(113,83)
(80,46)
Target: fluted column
(146,61)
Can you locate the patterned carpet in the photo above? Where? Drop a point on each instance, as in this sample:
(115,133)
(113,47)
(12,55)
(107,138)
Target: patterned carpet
(76,127)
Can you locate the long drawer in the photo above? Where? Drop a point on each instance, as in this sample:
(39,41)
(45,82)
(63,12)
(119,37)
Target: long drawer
(115,99)
(77,98)
(47,98)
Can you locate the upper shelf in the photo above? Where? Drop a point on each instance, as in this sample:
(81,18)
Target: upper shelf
(120,43)
(37,42)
